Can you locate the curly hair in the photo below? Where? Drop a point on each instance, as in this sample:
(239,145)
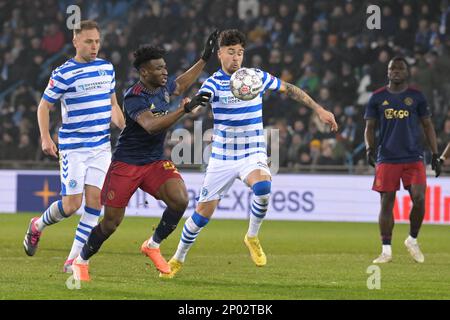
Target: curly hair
(146,53)
(232,37)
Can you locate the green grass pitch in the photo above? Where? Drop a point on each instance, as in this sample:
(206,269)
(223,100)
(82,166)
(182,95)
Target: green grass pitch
(306,260)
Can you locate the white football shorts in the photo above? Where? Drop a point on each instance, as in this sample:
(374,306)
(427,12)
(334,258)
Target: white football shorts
(220,175)
(83,167)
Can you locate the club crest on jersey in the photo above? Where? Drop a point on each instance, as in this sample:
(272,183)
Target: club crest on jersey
(204,192)
(101,72)
(408,101)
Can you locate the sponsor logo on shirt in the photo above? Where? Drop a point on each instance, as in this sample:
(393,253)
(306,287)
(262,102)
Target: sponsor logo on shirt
(229,99)
(395,114)
(92,85)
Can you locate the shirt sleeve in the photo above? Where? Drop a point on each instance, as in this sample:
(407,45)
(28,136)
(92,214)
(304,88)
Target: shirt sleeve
(134,106)
(113,82)
(269,81)
(56,87)
(171,85)
(209,86)
(422,107)
(371,109)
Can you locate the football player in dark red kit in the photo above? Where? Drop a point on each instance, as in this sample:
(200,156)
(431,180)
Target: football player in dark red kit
(400,110)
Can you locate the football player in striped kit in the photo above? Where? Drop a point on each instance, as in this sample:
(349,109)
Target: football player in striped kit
(238,148)
(85,86)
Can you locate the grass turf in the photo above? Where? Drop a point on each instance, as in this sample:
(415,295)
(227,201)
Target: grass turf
(306,260)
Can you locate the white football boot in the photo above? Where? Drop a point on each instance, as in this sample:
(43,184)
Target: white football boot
(414,250)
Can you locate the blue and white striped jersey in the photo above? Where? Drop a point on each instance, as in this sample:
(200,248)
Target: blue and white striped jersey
(238,125)
(85,92)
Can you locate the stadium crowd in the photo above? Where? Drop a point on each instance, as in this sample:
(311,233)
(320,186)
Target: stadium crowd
(324,47)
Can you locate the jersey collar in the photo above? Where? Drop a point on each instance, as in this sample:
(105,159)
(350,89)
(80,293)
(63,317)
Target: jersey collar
(148,91)
(222,73)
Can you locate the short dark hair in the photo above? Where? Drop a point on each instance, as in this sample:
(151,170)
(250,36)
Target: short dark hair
(146,53)
(401,58)
(86,25)
(232,37)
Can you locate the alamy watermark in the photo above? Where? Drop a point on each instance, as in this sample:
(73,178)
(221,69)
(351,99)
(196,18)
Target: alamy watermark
(74,18)
(73,284)
(373,22)
(195,148)
(374,280)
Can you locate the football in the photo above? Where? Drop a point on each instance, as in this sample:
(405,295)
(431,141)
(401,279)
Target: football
(245,84)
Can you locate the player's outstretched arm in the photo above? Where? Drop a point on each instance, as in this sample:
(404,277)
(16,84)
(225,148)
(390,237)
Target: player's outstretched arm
(299,95)
(43,116)
(116,113)
(153,124)
(430,134)
(185,80)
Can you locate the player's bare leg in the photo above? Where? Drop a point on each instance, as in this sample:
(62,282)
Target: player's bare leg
(386,225)
(417,193)
(112,219)
(192,227)
(56,212)
(88,220)
(174,194)
(260,182)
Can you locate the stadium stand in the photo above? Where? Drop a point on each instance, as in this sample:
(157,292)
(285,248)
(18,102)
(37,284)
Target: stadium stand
(322,46)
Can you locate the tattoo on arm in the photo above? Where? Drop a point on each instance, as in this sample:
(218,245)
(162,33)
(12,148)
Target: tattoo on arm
(299,95)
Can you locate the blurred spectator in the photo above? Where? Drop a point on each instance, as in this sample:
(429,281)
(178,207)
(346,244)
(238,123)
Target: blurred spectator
(53,39)
(25,149)
(404,37)
(322,47)
(378,71)
(7,147)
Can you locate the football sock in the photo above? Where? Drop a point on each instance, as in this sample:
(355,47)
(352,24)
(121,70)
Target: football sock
(387,249)
(260,203)
(386,239)
(191,229)
(166,226)
(93,244)
(52,215)
(88,221)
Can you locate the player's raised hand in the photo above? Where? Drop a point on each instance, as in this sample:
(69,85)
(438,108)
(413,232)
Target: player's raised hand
(199,100)
(328,118)
(210,45)
(436,164)
(49,147)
